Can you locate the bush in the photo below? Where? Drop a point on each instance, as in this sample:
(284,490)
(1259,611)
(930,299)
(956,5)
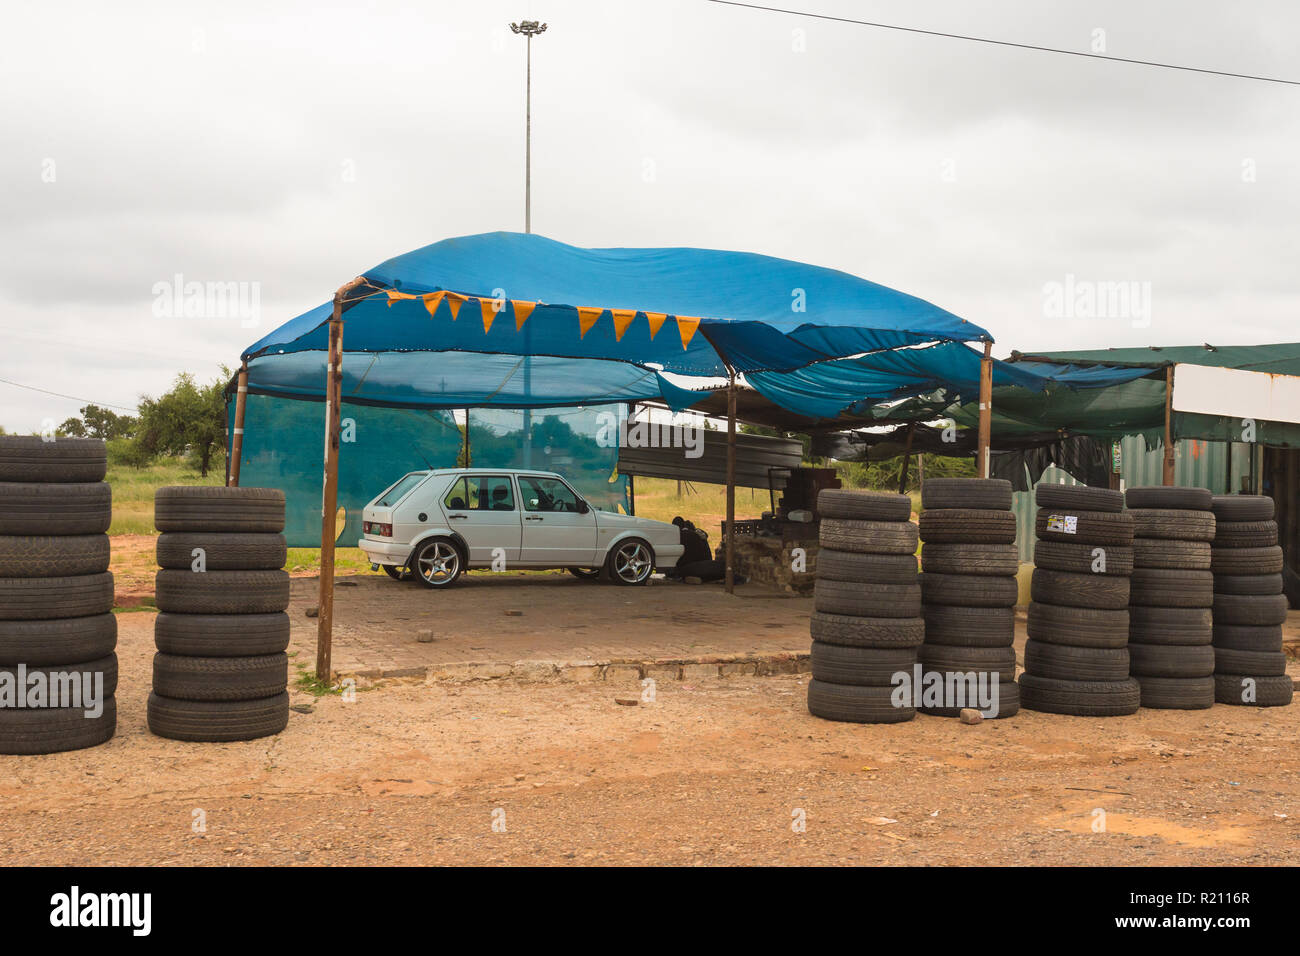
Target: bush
(128,453)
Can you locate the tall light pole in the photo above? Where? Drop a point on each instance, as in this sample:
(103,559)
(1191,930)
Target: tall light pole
(529,29)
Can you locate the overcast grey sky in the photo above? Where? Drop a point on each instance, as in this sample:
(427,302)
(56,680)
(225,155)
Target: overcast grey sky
(296,144)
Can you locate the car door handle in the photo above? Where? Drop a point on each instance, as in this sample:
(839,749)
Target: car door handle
(457,516)
(533,518)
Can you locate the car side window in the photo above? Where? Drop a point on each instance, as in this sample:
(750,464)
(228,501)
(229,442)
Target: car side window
(546,494)
(481,493)
(458,496)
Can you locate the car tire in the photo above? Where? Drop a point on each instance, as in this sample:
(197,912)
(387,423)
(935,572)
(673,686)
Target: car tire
(868,537)
(853,598)
(55,729)
(53,556)
(1177,693)
(1079,590)
(55,509)
(969,590)
(221,635)
(1172,555)
(1268,691)
(963,660)
(1266,560)
(57,640)
(1256,584)
(863,505)
(630,562)
(1072,662)
(1170,660)
(35,458)
(1090,527)
(954,626)
(1078,498)
(220,678)
(979,493)
(1242,637)
(1259,663)
(222,552)
(1080,698)
(1243,508)
(1173,524)
(835,565)
(861,666)
(1165,498)
(1256,610)
(1245,534)
(221,592)
(438,563)
(1116,560)
(219,509)
(1166,587)
(973,525)
(1077,626)
(1187,626)
(212,721)
(105,665)
(879,632)
(855,704)
(34,599)
(970,559)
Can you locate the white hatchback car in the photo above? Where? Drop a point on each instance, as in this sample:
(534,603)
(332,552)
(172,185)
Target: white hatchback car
(433,525)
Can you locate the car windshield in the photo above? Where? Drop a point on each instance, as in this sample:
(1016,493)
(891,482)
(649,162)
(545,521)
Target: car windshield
(395,493)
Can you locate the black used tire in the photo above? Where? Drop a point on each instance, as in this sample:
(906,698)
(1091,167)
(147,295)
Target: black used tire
(1078,498)
(858,705)
(1091,527)
(1166,498)
(1243,508)
(1248,583)
(1079,590)
(969,590)
(220,678)
(1077,626)
(1057,555)
(33,458)
(1243,637)
(1246,560)
(878,600)
(217,720)
(972,559)
(222,592)
(55,509)
(883,632)
(57,640)
(106,665)
(35,599)
(1257,610)
(866,568)
(1173,524)
(1169,587)
(963,660)
(1258,663)
(205,508)
(1177,693)
(1174,555)
(53,556)
(1268,691)
(1170,660)
(55,729)
(863,666)
(868,537)
(1071,662)
(969,626)
(956,525)
(992,493)
(221,635)
(222,552)
(863,505)
(1170,625)
(1245,534)
(1008,704)
(1080,698)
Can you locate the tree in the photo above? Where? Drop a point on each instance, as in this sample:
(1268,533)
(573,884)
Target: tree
(189,417)
(101,423)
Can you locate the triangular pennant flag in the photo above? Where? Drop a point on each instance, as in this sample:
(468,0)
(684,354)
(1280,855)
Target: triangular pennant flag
(489,309)
(522,311)
(432,300)
(656,319)
(622,319)
(587,317)
(687,325)
(454,302)
(394,295)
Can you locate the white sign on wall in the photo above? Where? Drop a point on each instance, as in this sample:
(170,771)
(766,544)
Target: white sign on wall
(1236,393)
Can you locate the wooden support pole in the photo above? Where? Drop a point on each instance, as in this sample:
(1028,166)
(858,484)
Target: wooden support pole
(731,480)
(237,433)
(907,459)
(986,412)
(330,491)
(1168,477)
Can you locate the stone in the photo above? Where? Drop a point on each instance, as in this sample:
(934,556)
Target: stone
(699,671)
(313,611)
(579,672)
(425,636)
(510,612)
(627,701)
(533,670)
(302,708)
(970,715)
(629,673)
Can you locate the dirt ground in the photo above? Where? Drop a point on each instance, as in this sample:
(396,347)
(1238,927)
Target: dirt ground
(712,772)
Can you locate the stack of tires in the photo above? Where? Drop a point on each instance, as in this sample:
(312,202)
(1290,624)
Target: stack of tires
(1249,607)
(56,596)
(1171,593)
(866,623)
(1076,658)
(221,672)
(968,588)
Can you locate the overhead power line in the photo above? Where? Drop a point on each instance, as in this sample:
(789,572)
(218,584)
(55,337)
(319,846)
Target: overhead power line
(46,391)
(1019,46)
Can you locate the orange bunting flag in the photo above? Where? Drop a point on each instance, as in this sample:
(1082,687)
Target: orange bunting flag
(522,311)
(489,309)
(394,295)
(622,319)
(656,319)
(587,317)
(432,300)
(454,302)
(687,325)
